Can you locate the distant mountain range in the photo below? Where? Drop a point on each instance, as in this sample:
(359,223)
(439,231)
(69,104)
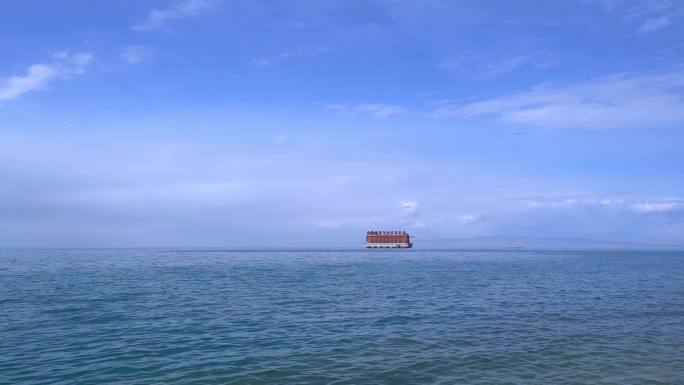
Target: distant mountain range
(503,242)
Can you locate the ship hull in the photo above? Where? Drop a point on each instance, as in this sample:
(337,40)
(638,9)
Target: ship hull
(389,245)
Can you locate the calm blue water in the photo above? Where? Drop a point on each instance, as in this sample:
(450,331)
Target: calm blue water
(341,317)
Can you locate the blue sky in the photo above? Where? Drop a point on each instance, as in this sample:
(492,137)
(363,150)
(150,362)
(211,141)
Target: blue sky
(305,123)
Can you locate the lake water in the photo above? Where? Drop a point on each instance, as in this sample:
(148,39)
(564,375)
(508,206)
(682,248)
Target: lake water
(341,317)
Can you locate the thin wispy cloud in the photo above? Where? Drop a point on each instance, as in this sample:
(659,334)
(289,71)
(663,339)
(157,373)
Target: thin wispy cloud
(266,61)
(632,9)
(158,18)
(625,100)
(626,204)
(410,209)
(37,76)
(329,223)
(505,66)
(648,15)
(469,219)
(72,63)
(659,206)
(411,215)
(134,54)
(652,25)
(375,110)
(480,65)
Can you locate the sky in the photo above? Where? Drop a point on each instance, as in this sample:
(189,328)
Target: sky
(305,123)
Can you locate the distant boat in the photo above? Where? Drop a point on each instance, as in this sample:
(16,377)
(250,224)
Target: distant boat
(388,240)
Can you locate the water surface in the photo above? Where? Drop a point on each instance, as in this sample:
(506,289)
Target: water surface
(341,317)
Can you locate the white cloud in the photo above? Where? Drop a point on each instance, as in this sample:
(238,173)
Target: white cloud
(381,110)
(663,206)
(38,76)
(157,18)
(411,214)
(133,54)
(376,110)
(469,219)
(73,63)
(568,201)
(410,209)
(642,206)
(624,100)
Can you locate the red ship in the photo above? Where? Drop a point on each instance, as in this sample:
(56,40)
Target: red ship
(388,240)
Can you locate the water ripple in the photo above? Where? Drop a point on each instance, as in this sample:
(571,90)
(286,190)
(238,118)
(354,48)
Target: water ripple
(341,317)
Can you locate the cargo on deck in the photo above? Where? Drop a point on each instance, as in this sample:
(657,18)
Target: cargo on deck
(388,240)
